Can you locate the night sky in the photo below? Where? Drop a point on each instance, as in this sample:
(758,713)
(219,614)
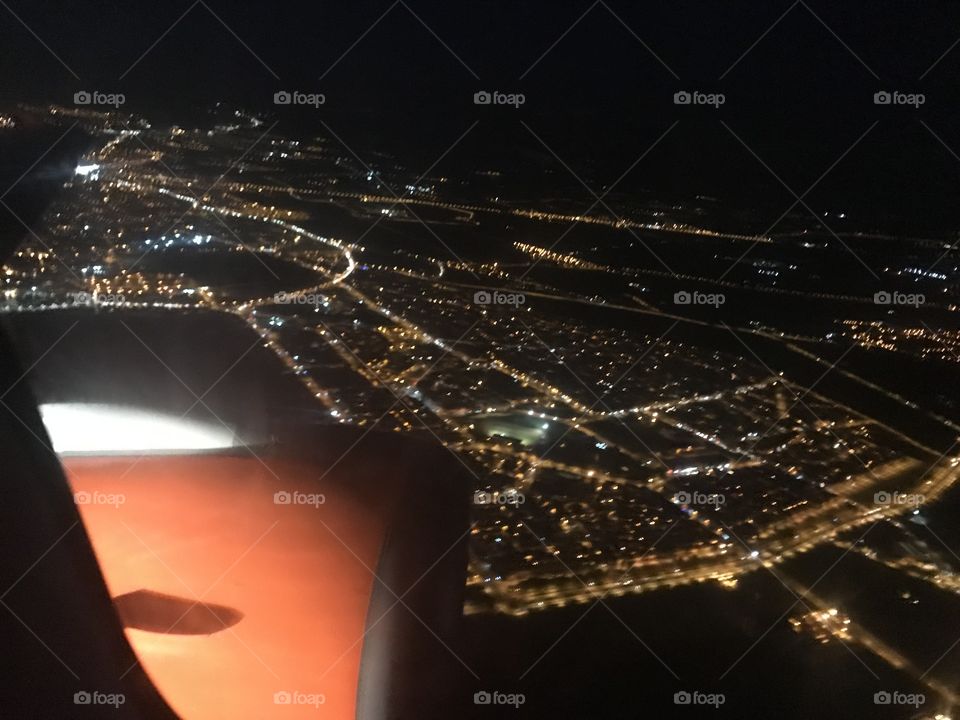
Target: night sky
(799,98)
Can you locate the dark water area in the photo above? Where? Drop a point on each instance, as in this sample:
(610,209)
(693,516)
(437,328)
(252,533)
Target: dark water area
(596,668)
(236,275)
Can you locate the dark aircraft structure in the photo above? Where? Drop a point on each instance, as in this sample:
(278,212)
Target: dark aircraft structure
(318,576)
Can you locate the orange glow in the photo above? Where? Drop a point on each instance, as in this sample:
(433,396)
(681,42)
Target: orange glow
(206,528)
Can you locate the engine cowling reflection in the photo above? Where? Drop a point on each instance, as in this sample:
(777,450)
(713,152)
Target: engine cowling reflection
(269,572)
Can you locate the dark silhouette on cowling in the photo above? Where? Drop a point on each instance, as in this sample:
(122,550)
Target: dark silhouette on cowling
(161,613)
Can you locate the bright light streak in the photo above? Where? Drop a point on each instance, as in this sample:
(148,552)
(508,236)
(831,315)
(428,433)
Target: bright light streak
(90,428)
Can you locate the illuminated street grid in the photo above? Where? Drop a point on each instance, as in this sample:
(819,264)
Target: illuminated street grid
(607,460)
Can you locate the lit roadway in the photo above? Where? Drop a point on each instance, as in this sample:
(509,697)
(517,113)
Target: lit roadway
(710,563)
(717,561)
(713,562)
